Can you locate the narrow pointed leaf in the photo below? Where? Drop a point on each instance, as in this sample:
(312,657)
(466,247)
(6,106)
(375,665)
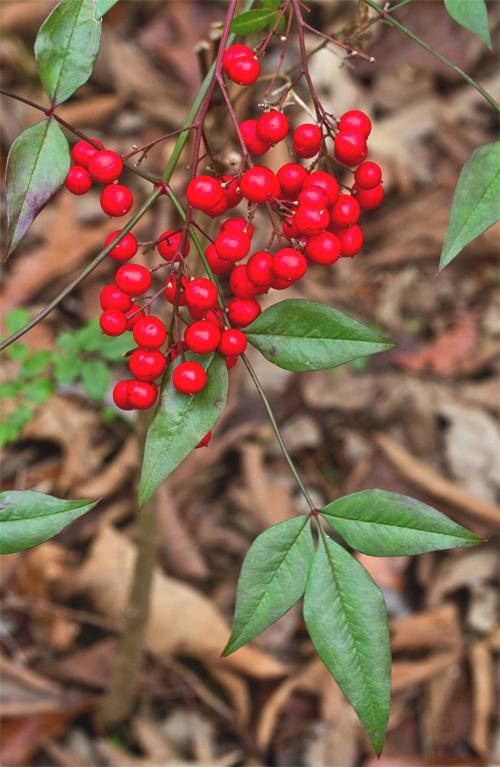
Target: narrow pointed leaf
(28,518)
(66,48)
(302,335)
(256,20)
(346,618)
(475,205)
(386,524)
(473,15)
(272,579)
(181,422)
(102,7)
(37,166)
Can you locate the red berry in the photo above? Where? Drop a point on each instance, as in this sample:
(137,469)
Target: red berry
(111,297)
(142,395)
(206,439)
(146,364)
(150,332)
(289,264)
(253,142)
(189,377)
(325,181)
(350,147)
(201,293)
(240,284)
(217,210)
(218,265)
(204,192)
(292,177)
(169,245)
(202,337)
(260,269)
(105,166)
(123,250)
(307,140)
(312,196)
(231,362)
(370,198)
(113,322)
(243,311)
(133,279)
(83,150)
(233,342)
(272,127)
(133,315)
(259,184)
(351,241)
(171,290)
(237,224)
(310,220)
(234,52)
(355,120)
(323,249)
(78,180)
(368,175)
(345,210)
(211,315)
(231,191)
(279,283)
(232,245)
(244,70)
(121,393)
(116,200)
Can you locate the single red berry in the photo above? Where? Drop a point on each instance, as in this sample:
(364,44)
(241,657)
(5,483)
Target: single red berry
(201,293)
(289,264)
(123,250)
(259,184)
(189,377)
(260,269)
(218,265)
(83,150)
(105,166)
(243,311)
(111,297)
(133,279)
(146,364)
(244,70)
(142,395)
(311,220)
(292,177)
(133,315)
(234,52)
(240,284)
(217,210)
(116,200)
(368,175)
(233,342)
(312,196)
(272,127)
(78,180)
(325,181)
(279,283)
(370,198)
(113,322)
(171,290)
(206,439)
(345,210)
(237,224)
(351,241)
(231,190)
(169,245)
(121,395)
(150,332)
(210,315)
(254,144)
(307,140)
(232,245)
(355,120)
(350,147)
(204,192)
(231,362)
(323,248)
(202,337)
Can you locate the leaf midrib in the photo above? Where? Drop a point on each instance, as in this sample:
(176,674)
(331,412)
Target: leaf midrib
(390,524)
(15,221)
(289,336)
(41,516)
(63,61)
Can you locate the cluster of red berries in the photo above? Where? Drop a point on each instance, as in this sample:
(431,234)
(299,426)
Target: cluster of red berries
(240,64)
(104,167)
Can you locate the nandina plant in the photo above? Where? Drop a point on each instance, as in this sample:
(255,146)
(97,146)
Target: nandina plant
(314,207)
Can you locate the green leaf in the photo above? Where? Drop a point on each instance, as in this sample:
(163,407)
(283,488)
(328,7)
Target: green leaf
(28,518)
(37,166)
(39,390)
(20,417)
(473,15)
(346,618)
(17,351)
(385,524)
(95,378)
(90,338)
(114,349)
(181,422)
(248,22)
(9,389)
(67,368)
(272,579)
(16,319)
(271,4)
(35,363)
(303,335)
(102,7)
(9,432)
(66,48)
(475,205)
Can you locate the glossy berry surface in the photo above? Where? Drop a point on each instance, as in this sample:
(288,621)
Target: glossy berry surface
(202,337)
(313,195)
(368,175)
(307,140)
(231,190)
(234,52)
(289,264)
(345,211)
(356,120)
(204,192)
(272,126)
(323,249)
(206,439)
(240,284)
(351,241)
(260,269)
(369,199)
(311,220)
(133,279)
(254,143)
(105,166)
(121,397)
(78,180)
(218,265)
(238,224)
(233,342)
(83,150)
(147,364)
(150,332)
(116,200)
(244,70)
(111,297)
(350,147)
(259,184)
(142,395)
(291,178)
(243,311)
(170,243)
(123,250)
(324,181)
(201,293)
(232,245)
(170,290)
(113,322)
(189,377)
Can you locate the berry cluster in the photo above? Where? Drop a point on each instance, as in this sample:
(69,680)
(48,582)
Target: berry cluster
(104,167)
(240,64)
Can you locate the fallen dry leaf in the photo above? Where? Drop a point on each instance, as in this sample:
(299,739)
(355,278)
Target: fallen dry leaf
(447,354)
